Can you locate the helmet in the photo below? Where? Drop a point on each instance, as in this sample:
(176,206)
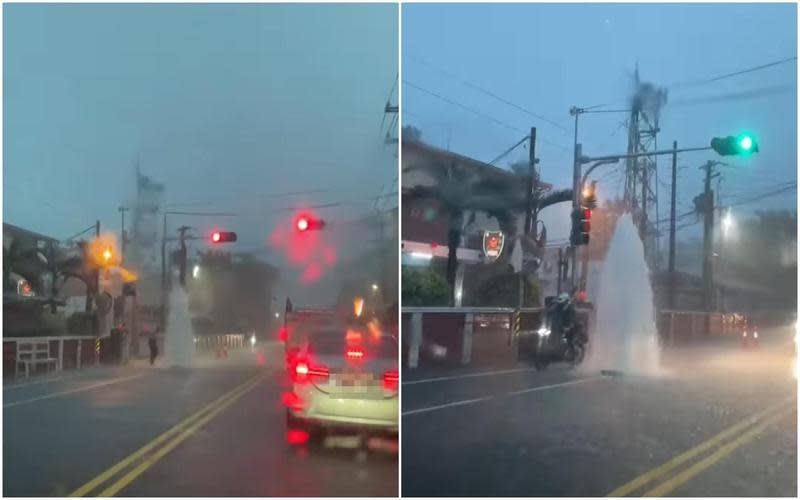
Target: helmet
(562,298)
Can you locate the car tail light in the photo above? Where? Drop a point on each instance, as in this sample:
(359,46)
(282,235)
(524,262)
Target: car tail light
(283,334)
(390,380)
(355,353)
(292,401)
(304,371)
(296,436)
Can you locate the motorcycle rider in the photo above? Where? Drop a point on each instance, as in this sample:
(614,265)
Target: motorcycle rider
(564,319)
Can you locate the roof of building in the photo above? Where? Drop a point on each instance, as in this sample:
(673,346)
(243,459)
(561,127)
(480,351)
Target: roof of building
(444,154)
(27,232)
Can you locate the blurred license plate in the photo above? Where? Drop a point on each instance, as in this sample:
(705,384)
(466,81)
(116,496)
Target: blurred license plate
(352,379)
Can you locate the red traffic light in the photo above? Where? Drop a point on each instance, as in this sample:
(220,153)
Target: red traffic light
(302,224)
(305,223)
(223,237)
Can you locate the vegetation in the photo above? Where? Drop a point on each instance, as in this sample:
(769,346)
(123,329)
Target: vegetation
(461,193)
(424,287)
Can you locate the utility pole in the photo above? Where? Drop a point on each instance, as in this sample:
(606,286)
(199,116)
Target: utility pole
(672,226)
(708,231)
(529,220)
(164,274)
(123,239)
(182,231)
(97,271)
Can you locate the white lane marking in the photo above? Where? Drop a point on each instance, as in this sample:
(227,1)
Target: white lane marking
(446,405)
(72,391)
(513,393)
(468,375)
(552,386)
(20,385)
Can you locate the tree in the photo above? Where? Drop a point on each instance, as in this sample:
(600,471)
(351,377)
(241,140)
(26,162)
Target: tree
(460,191)
(412,133)
(424,287)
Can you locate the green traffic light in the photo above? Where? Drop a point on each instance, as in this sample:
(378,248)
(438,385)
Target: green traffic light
(746,142)
(741,145)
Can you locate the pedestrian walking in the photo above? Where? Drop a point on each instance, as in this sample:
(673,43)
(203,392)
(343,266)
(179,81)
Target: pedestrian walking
(153,348)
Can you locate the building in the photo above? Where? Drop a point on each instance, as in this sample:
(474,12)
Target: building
(425,227)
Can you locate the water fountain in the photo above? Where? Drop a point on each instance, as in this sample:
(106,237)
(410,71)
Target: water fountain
(625,336)
(179,339)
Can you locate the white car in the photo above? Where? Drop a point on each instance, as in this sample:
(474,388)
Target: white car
(343,378)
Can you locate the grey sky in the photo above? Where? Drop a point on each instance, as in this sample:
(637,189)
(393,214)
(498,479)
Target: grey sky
(222,103)
(548,57)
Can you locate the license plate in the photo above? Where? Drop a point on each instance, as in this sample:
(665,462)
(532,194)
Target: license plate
(352,380)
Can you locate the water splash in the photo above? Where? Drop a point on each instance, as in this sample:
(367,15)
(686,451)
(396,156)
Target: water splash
(625,336)
(179,340)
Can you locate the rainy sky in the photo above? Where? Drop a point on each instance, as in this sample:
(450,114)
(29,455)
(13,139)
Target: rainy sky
(546,58)
(230,106)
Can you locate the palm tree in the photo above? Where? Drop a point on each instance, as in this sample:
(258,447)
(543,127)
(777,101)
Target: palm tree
(460,191)
(33,263)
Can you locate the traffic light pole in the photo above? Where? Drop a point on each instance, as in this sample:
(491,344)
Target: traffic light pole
(576,199)
(672,225)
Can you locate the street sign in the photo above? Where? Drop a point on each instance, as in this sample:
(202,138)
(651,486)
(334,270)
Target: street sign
(493,244)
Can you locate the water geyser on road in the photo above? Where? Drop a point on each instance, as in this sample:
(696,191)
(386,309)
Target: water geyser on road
(625,336)
(179,339)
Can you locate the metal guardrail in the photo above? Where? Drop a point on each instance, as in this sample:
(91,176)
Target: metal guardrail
(455,326)
(228,340)
(79,341)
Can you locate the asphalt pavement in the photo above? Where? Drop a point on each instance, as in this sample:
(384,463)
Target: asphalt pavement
(720,421)
(217,429)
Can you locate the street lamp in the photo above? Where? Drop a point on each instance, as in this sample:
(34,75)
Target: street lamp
(374,287)
(727,223)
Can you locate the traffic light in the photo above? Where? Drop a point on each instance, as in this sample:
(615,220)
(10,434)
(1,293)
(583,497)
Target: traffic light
(580,226)
(305,223)
(740,145)
(223,237)
(589,195)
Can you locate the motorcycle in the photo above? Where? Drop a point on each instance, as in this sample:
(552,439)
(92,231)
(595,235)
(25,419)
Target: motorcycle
(552,347)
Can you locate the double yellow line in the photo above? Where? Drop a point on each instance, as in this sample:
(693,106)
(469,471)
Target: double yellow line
(718,447)
(148,455)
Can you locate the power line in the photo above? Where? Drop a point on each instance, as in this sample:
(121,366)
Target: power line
(763,195)
(459,105)
(478,113)
(491,94)
(750,70)
(509,150)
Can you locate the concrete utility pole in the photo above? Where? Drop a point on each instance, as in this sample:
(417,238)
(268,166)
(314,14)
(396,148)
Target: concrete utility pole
(530,221)
(182,231)
(672,226)
(708,232)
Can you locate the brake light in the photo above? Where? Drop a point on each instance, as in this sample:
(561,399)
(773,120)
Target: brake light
(304,371)
(390,380)
(355,353)
(296,436)
(283,334)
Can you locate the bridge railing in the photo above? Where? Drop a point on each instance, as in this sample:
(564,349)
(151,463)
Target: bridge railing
(683,327)
(71,352)
(464,335)
(495,336)
(226,340)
